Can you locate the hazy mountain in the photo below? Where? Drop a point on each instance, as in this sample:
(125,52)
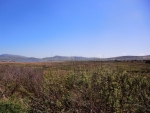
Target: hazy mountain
(65,58)
(8,55)
(18,58)
(147,57)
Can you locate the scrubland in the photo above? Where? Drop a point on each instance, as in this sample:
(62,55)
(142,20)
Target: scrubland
(75,87)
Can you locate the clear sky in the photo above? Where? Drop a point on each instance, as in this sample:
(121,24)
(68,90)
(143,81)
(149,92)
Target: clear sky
(90,28)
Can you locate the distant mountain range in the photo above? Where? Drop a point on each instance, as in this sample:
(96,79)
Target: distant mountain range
(18,58)
(146,57)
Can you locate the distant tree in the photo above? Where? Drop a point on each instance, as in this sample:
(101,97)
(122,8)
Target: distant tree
(148,61)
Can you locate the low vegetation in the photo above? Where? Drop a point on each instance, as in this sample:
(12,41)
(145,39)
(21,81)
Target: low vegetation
(75,87)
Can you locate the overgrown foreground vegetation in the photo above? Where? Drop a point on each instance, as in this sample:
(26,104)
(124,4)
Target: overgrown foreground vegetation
(75,87)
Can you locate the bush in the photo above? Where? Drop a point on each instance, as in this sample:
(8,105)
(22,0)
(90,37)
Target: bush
(11,107)
(77,89)
(147,61)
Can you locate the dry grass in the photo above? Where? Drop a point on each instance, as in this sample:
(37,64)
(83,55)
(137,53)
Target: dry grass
(79,87)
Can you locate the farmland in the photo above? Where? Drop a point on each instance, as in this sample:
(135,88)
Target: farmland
(75,87)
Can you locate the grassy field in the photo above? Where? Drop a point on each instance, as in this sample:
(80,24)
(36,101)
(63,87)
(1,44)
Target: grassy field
(75,87)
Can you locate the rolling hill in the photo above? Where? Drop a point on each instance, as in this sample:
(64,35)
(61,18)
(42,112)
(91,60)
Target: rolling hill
(18,58)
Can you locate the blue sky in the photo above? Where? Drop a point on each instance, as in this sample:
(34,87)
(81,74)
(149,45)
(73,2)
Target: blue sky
(90,28)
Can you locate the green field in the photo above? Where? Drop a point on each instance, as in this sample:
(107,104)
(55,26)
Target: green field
(75,87)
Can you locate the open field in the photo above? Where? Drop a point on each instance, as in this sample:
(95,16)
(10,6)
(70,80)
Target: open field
(75,87)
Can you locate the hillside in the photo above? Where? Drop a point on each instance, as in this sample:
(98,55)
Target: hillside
(18,58)
(147,57)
